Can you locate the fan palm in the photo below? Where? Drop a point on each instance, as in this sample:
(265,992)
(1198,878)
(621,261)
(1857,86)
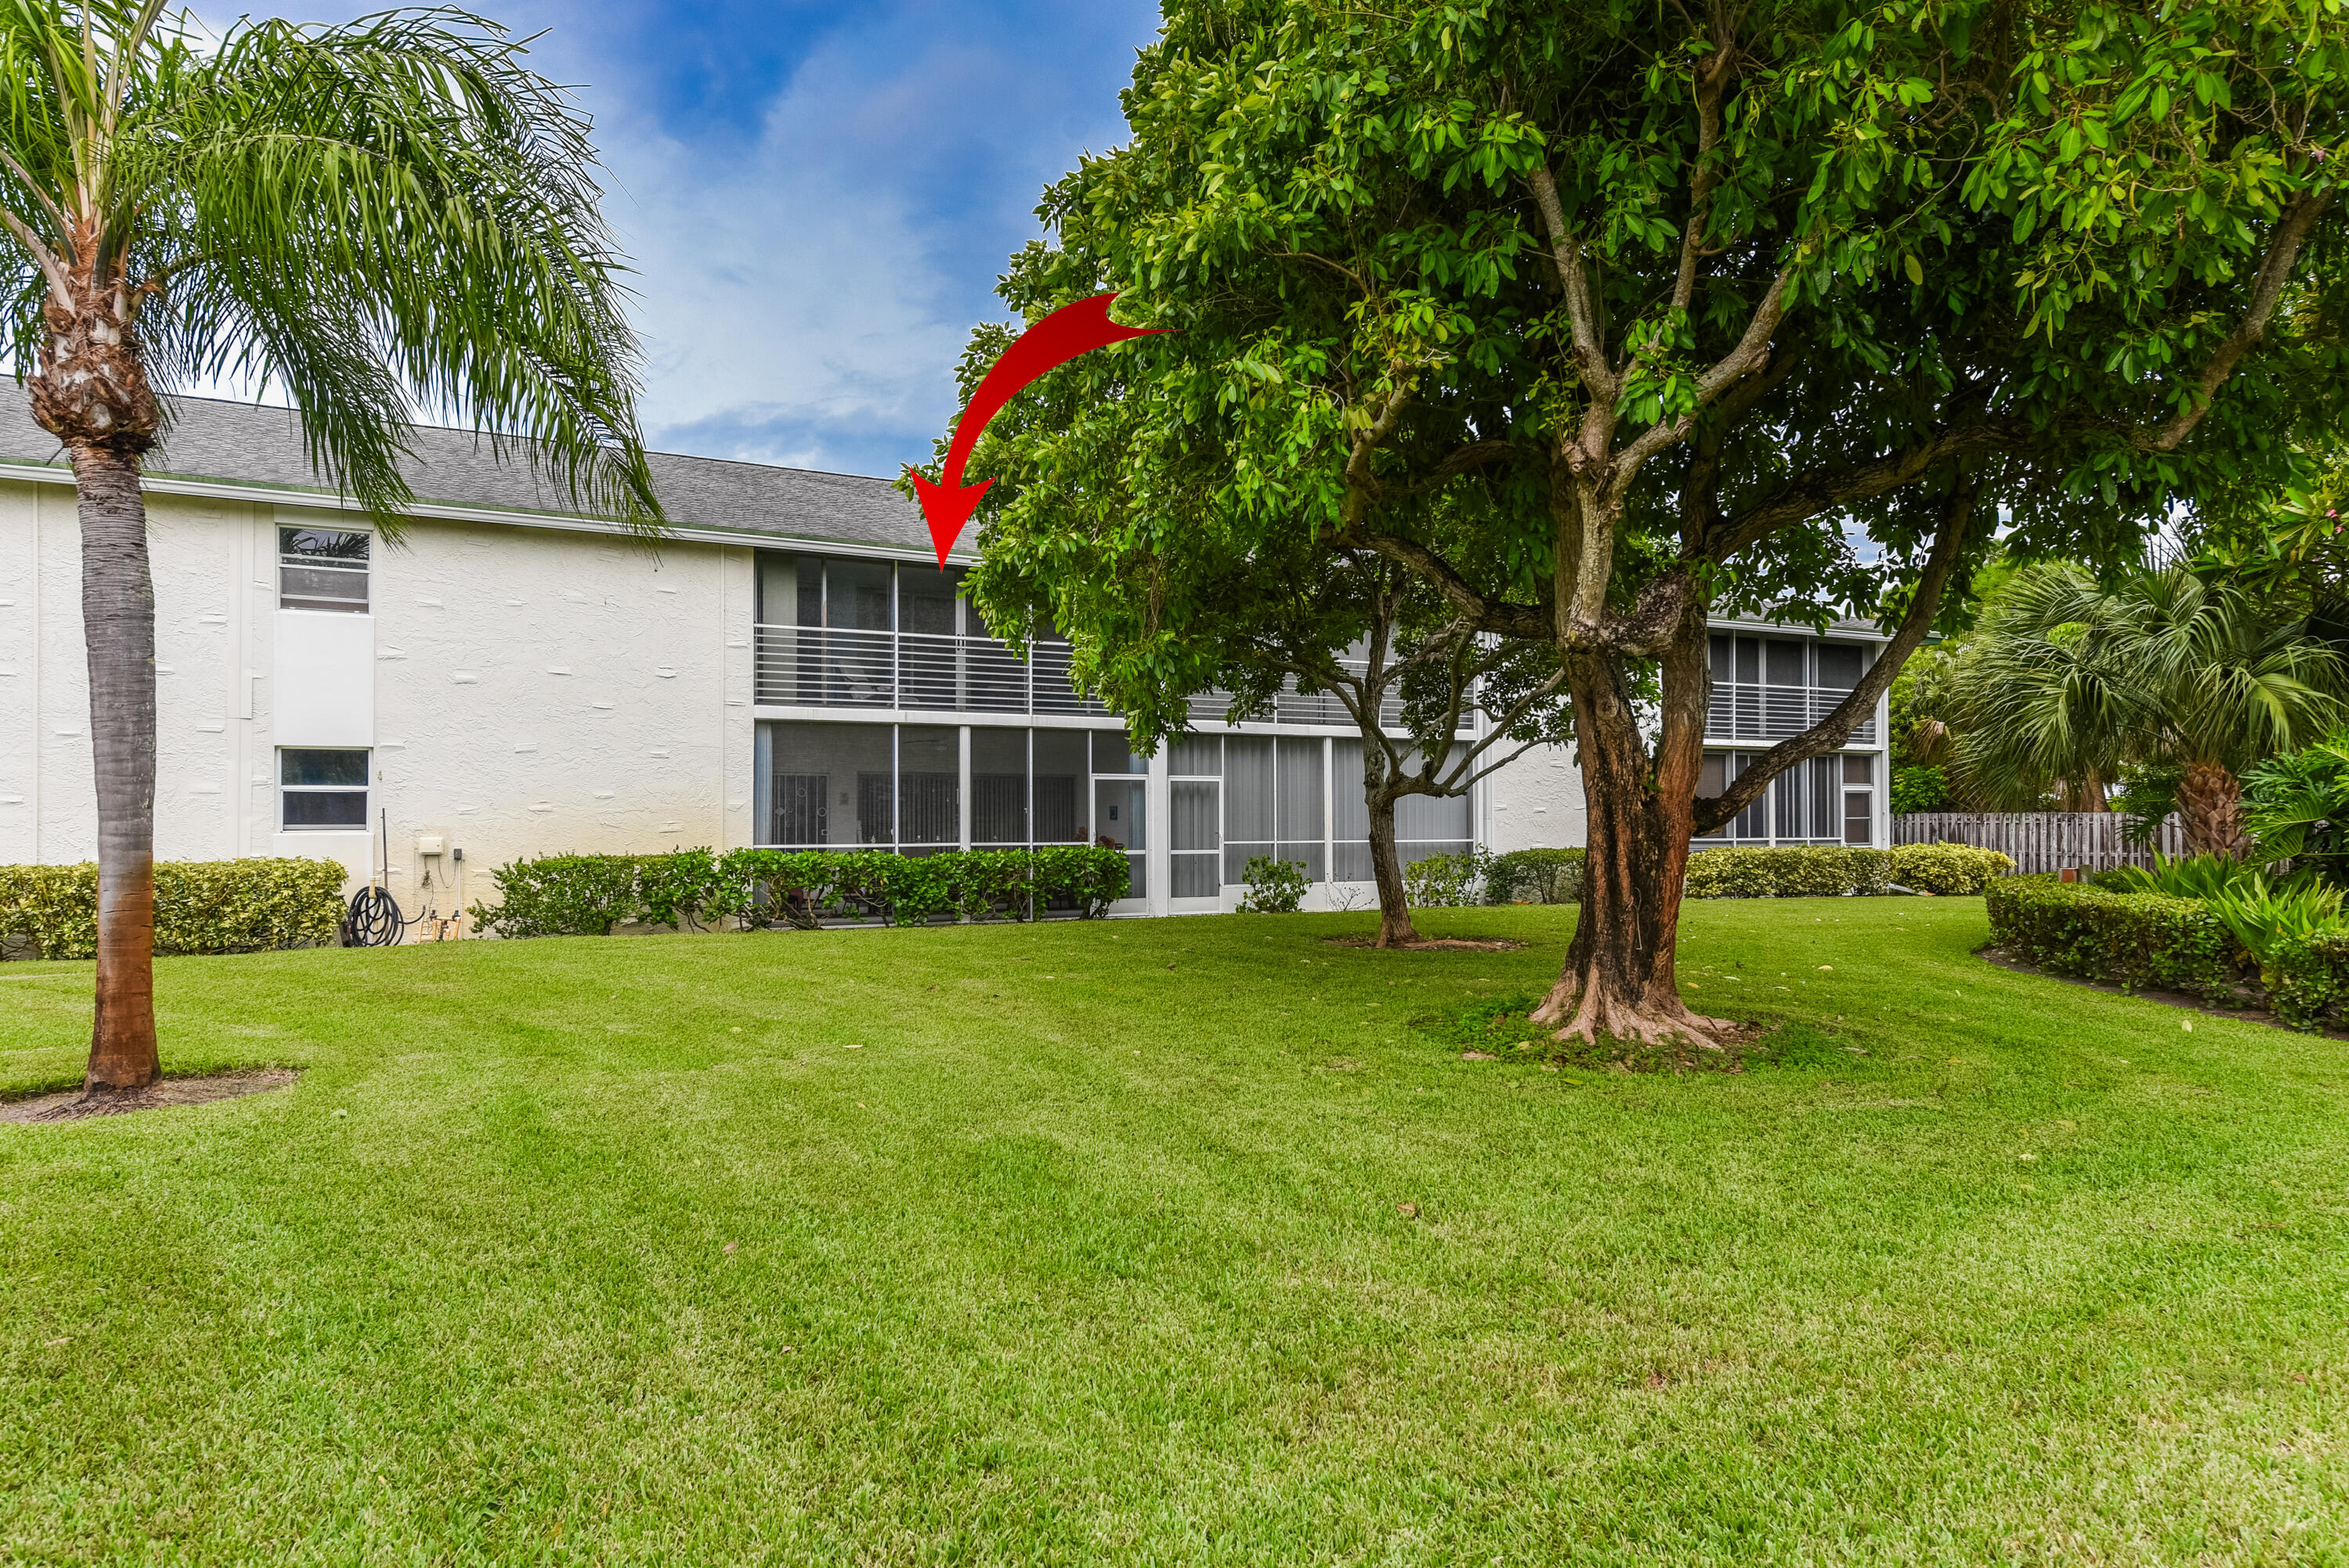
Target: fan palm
(362,214)
(2067,681)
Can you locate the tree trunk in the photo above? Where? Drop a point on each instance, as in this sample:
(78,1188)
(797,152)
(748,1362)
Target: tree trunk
(117,610)
(1619,979)
(90,391)
(1395,928)
(2210,811)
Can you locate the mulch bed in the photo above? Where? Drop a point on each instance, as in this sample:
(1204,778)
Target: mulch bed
(73,1104)
(2008,961)
(1433,944)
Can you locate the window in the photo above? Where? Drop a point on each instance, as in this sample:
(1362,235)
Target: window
(321,789)
(322,569)
(1858,798)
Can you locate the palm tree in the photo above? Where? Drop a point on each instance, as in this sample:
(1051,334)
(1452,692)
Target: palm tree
(365,215)
(2065,683)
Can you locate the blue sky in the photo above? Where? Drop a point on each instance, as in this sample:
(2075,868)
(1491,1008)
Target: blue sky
(818,197)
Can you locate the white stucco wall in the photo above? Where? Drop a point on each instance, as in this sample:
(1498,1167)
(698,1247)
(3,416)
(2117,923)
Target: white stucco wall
(1535,802)
(531,691)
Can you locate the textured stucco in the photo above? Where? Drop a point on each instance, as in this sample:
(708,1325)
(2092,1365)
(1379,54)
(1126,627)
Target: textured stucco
(1536,802)
(533,692)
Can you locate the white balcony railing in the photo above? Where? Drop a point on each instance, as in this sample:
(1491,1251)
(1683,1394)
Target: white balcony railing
(810,666)
(1743,711)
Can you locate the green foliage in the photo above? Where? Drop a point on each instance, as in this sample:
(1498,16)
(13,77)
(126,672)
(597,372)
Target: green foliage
(1945,868)
(2307,977)
(588,895)
(2190,876)
(373,216)
(1793,871)
(1535,876)
(201,906)
(2297,806)
(1084,878)
(2067,680)
(563,895)
(2135,939)
(1274,887)
(1455,283)
(2263,915)
(1920,788)
(1448,882)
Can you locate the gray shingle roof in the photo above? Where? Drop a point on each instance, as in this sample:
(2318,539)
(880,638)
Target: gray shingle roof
(240,443)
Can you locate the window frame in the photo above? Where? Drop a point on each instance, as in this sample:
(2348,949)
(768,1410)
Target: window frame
(364,789)
(362,568)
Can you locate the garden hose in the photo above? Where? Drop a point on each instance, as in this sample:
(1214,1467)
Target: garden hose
(374,918)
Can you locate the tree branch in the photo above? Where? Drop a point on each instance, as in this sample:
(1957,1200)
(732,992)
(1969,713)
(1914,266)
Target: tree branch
(1484,614)
(2275,272)
(1831,732)
(1808,497)
(1582,313)
(1712,74)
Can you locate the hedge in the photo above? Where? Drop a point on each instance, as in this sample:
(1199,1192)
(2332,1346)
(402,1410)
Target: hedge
(2311,980)
(1948,868)
(201,906)
(1535,876)
(2133,939)
(1827,870)
(589,896)
(1792,871)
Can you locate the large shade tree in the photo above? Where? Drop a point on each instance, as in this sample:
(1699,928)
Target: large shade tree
(371,216)
(1761,307)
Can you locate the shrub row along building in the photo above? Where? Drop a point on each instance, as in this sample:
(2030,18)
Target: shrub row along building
(788,667)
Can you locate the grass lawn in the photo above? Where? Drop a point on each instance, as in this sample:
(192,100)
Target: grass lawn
(1088,1244)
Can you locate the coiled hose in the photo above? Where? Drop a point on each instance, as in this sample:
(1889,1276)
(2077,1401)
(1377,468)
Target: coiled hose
(374,918)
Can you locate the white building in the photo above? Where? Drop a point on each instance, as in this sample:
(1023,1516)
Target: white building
(788,667)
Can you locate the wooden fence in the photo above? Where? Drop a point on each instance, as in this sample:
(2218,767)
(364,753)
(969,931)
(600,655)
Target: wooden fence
(2040,840)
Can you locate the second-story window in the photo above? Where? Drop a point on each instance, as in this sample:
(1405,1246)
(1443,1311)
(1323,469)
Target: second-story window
(322,569)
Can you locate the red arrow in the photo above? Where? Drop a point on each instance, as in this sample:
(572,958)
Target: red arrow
(1071,330)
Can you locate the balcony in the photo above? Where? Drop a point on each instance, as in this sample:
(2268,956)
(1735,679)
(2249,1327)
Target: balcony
(810,667)
(1742,710)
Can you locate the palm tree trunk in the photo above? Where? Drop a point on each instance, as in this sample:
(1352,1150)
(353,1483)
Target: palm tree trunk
(118,612)
(2211,811)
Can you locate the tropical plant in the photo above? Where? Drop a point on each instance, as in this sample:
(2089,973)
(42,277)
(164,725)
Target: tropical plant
(2067,681)
(2204,877)
(1685,297)
(2267,917)
(2296,806)
(361,215)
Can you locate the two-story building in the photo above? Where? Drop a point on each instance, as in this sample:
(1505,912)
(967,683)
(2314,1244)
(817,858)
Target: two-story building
(788,666)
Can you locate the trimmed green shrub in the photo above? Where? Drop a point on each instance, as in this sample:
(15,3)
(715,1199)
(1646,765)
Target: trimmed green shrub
(1919,789)
(1448,882)
(2308,979)
(588,895)
(1086,878)
(2133,939)
(1274,887)
(1823,871)
(201,906)
(992,884)
(1948,868)
(563,895)
(1535,876)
